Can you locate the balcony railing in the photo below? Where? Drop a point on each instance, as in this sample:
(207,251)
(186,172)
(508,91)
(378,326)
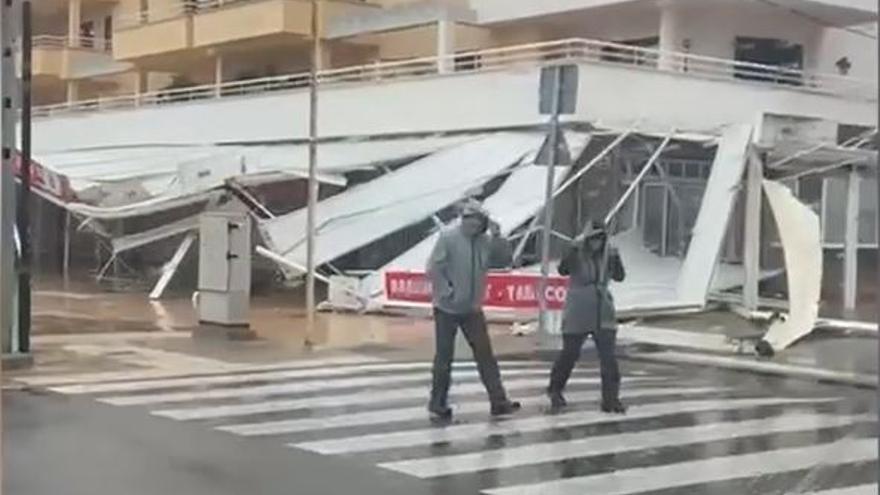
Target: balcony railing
(497,59)
(82,42)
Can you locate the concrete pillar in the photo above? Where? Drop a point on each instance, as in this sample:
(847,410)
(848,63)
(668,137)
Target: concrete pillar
(672,25)
(752,234)
(218,75)
(74,20)
(72,91)
(851,244)
(445,46)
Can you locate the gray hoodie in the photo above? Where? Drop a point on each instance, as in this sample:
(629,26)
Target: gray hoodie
(458,266)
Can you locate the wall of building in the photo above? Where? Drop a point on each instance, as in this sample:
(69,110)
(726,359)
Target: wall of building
(860,50)
(613,95)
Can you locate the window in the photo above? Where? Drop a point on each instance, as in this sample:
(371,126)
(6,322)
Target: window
(785,56)
(108,32)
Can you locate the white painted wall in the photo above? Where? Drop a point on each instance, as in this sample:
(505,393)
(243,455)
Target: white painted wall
(861,51)
(611,95)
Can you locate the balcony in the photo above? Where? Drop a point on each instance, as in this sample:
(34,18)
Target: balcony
(493,88)
(205,23)
(66,59)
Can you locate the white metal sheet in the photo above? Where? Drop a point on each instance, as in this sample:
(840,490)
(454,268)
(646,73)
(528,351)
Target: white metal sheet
(799,232)
(711,225)
(373,210)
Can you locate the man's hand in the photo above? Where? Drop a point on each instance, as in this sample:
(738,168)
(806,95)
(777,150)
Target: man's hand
(494,228)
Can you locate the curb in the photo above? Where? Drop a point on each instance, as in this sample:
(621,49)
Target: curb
(859,380)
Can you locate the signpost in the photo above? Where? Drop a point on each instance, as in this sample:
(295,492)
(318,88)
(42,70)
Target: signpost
(558,96)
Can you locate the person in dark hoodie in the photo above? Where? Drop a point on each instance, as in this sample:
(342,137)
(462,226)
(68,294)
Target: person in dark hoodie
(589,311)
(458,265)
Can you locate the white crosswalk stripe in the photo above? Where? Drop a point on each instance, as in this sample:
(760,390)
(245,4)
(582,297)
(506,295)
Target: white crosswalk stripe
(558,451)
(427,436)
(414,413)
(375,410)
(852,490)
(703,471)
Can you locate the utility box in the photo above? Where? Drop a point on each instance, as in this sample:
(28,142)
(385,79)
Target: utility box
(224,269)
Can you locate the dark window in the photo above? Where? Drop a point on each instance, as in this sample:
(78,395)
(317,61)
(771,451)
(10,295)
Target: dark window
(634,56)
(784,59)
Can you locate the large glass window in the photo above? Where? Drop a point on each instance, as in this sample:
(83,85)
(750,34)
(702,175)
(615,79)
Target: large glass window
(868,211)
(834,215)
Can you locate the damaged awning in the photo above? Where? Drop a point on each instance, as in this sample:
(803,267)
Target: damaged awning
(370,211)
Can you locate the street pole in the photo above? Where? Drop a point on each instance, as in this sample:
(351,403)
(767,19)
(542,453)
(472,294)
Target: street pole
(313,177)
(548,204)
(8,118)
(24,199)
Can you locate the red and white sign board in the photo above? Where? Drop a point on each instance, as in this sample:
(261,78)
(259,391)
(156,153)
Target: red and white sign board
(47,181)
(518,291)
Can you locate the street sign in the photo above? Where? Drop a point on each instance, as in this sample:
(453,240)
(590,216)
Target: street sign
(567,90)
(563,153)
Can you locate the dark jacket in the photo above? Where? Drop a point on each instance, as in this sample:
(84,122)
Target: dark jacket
(458,266)
(589,304)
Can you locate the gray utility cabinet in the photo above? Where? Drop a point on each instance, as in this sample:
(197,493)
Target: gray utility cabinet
(224,268)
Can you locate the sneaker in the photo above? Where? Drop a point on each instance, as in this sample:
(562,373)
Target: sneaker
(615,407)
(440,414)
(557,401)
(505,408)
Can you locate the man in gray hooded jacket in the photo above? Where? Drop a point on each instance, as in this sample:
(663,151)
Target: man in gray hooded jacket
(458,265)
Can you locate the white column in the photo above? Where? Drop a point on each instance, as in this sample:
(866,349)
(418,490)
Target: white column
(72,91)
(74,20)
(218,74)
(851,244)
(445,46)
(671,34)
(752,234)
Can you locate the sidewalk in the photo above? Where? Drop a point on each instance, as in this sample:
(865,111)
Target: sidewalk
(715,339)
(78,333)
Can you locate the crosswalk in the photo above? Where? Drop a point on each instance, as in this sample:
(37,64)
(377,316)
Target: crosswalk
(683,433)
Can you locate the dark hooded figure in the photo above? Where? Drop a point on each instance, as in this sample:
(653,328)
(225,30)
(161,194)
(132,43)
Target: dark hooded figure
(458,266)
(589,311)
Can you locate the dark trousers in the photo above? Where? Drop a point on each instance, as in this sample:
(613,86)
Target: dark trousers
(473,326)
(606,340)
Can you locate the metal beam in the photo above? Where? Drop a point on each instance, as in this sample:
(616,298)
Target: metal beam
(851,243)
(171,267)
(752,237)
(635,183)
(517,253)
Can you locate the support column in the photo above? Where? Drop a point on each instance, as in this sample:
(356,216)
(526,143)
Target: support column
(72,91)
(445,46)
(671,35)
(752,237)
(74,20)
(218,75)
(851,243)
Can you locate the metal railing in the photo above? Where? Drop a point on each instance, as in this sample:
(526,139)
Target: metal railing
(82,42)
(497,59)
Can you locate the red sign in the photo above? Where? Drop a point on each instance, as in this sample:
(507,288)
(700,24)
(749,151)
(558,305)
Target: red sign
(49,182)
(503,290)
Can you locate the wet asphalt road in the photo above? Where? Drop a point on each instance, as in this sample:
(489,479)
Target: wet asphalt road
(359,429)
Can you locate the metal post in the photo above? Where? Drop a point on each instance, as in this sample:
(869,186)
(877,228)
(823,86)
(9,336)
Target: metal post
(752,237)
(8,119)
(548,205)
(24,199)
(313,178)
(851,244)
(65,262)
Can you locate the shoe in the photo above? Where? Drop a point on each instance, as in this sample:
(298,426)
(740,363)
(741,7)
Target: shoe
(557,401)
(440,414)
(615,407)
(505,408)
